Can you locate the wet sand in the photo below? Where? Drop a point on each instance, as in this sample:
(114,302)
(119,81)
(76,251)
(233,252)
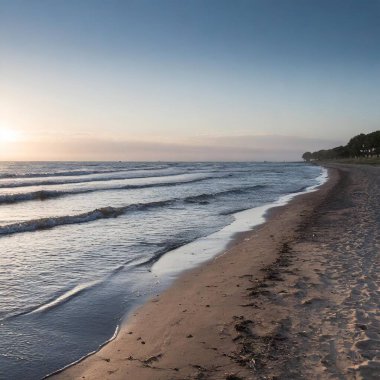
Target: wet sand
(297,298)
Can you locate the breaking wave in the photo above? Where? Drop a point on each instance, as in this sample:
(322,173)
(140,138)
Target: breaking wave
(207,197)
(48,194)
(109,212)
(167,247)
(71,173)
(82,180)
(65,297)
(99,213)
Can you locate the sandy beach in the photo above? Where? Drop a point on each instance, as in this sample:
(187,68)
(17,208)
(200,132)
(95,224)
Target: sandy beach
(296,298)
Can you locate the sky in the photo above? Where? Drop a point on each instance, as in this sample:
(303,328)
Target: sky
(186,79)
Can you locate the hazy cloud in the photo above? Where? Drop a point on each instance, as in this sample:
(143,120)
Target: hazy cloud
(228,148)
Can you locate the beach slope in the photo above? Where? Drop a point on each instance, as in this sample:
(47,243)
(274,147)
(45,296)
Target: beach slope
(297,298)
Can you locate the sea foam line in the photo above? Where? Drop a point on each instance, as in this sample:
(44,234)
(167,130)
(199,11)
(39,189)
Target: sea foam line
(68,173)
(50,194)
(82,180)
(72,173)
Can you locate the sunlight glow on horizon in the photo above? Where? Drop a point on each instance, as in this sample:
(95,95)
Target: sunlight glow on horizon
(99,80)
(9,135)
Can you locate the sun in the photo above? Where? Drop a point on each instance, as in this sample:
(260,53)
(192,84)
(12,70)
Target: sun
(9,135)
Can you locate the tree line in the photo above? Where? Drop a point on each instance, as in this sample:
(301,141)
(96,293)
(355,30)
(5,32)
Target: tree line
(359,146)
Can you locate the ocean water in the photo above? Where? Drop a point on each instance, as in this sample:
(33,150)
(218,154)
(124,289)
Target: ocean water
(81,244)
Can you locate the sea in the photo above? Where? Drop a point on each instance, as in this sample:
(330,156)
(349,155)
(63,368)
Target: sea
(82,244)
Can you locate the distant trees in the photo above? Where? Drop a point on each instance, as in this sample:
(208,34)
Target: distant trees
(359,146)
(307,156)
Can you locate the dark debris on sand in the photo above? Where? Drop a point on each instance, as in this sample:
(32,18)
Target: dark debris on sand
(317,312)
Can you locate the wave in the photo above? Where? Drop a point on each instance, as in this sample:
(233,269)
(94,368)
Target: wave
(303,188)
(49,194)
(68,295)
(110,212)
(34,195)
(57,300)
(99,213)
(81,180)
(168,246)
(70,173)
(205,198)
(234,211)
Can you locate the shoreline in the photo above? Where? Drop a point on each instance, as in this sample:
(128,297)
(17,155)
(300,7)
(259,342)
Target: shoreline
(213,321)
(181,260)
(271,212)
(246,222)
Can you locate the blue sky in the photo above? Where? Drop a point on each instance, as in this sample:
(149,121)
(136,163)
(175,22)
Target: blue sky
(161,78)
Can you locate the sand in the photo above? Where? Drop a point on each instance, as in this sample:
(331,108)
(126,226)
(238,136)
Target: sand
(296,298)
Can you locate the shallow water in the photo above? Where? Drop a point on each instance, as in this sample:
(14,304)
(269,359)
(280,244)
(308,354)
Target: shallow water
(81,244)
